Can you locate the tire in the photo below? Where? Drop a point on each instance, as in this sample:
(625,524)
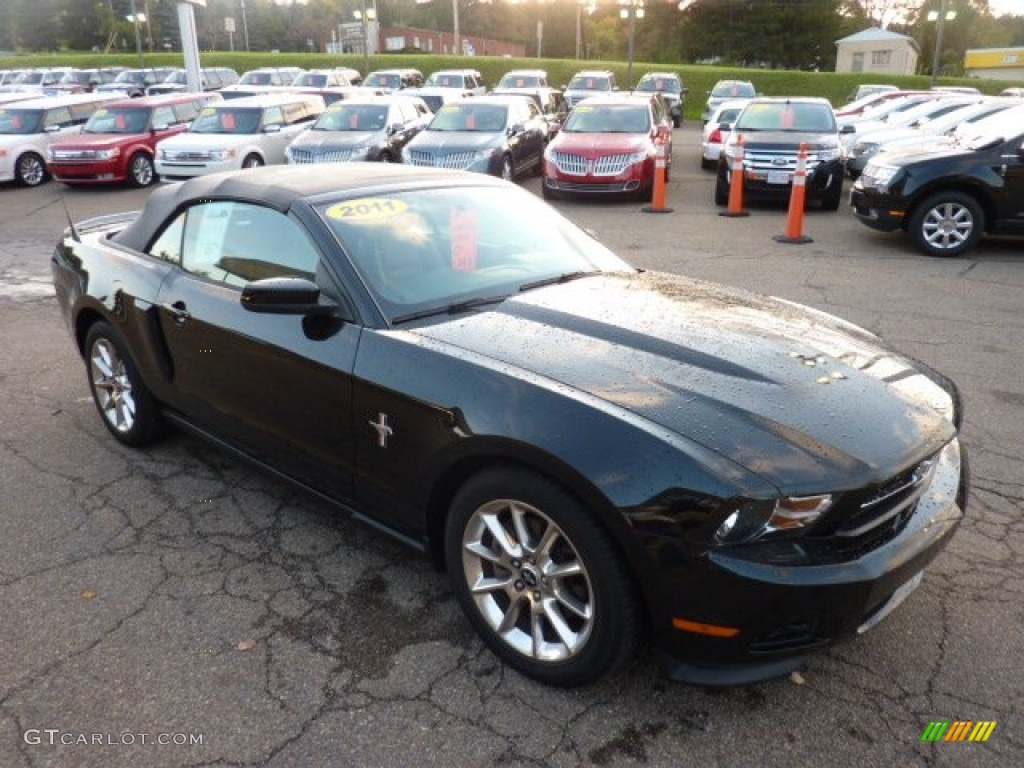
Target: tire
(140,170)
(30,170)
(563,629)
(677,121)
(547,193)
(947,224)
(126,406)
(705,164)
(252,161)
(385,157)
(833,196)
(721,191)
(507,171)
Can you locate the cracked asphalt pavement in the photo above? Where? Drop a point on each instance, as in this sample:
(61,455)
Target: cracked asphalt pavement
(176,607)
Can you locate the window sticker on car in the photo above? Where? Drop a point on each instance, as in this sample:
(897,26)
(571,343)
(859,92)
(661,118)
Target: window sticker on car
(100,112)
(208,111)
(367,209)
(584,109)
(463,225)
(449,108)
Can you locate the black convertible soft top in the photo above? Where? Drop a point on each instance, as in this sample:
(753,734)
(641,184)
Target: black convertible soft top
(279,186)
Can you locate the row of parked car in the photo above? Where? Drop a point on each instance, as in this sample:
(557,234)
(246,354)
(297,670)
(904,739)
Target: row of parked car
(945,165)
(110,135)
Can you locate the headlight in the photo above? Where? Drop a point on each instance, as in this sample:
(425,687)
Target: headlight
(406,155)
(639,157)
(879,175)
(358,153)
(483,154)
(108,154)
(752,520)
(830,153)
(222,154)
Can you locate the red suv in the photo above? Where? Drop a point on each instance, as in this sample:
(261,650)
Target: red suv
(607,146)
(118,142)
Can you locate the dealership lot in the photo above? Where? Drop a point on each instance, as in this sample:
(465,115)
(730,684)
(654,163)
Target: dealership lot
(178,596)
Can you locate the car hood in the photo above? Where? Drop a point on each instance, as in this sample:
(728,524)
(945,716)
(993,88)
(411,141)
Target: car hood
(596,144)
(787,392)
(93,140)
(433,141)
(926,151)
(336,139)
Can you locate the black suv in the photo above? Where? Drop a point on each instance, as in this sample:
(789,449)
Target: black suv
(671,89)
(773,130)
(947,198)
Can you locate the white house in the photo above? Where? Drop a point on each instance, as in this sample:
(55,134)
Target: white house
(877,51)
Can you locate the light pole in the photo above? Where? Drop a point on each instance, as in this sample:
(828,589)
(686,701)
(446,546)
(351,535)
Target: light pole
(581,5)
(135,18)
(632,10)
(366,15)
(941,16)
(245,26)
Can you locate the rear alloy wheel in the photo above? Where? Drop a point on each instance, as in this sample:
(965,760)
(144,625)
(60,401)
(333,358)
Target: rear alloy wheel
(947,224)
(124,402)
(30,170)
(252,161)
(140,170)
(539,579)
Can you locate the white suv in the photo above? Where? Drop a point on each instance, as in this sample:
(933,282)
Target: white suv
(241,133)
(27,127)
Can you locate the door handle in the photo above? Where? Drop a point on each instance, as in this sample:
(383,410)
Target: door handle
(177,311)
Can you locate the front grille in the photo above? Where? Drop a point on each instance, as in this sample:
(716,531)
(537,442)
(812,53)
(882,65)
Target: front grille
(761,161)
(577,165)
(183,156)
(866,520)
(457,161)
(86,155)
(301,156)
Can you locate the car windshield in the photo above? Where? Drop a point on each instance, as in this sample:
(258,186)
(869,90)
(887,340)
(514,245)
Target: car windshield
(659,84)
(482,118)
(227,120)
(119,120)
(259,78)
(431,248)
(786,116)
(733,90)
(353,117)
(29,78)
(130,77)
(590,83)
(380,80)
(79,78)
(178,78)
(611,118)
(442,80)
(311,80)
(20,121)
(513,80)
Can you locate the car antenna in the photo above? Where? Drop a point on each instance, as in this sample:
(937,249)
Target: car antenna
(71,224)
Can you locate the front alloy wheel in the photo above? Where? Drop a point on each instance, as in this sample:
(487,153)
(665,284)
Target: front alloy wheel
(140,170)
(947,224)
(30,170)
(539,579)
(122,399)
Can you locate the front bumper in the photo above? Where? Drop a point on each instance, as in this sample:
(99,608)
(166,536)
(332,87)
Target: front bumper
(88,171)
(636,177)
(182,170)
(877,210)
(782,608)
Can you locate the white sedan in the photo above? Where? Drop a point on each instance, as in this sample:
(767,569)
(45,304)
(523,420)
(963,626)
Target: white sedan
(714,136)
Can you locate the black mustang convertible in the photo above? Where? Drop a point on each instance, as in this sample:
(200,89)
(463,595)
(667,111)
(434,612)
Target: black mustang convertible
(593,452)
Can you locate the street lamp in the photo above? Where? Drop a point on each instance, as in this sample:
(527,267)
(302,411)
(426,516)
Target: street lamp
(941,16)
(136,19)
(366,15)
(632,10)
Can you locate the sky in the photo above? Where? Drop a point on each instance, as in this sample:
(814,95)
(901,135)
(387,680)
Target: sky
(1000,7)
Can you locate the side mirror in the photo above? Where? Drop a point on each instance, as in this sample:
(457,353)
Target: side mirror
(283,296)
(516,128)
(848,128)
(395,127)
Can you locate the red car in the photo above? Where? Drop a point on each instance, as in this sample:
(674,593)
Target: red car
(607,146)
(118,141)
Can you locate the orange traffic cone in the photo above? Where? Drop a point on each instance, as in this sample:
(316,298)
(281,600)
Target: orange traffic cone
(797,199)
(660,166)
(735,207)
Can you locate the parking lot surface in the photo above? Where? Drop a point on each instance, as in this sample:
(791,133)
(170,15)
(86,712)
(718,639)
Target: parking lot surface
(175,607)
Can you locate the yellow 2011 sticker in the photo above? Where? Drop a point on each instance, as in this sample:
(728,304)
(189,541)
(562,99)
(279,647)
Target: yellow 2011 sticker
(367,208)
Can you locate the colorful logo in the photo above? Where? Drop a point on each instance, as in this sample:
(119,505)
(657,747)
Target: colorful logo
(958,730)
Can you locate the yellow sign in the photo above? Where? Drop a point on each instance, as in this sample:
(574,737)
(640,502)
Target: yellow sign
(367,209)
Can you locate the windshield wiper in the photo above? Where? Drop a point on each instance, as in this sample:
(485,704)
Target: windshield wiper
(450,309)
(563,278)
